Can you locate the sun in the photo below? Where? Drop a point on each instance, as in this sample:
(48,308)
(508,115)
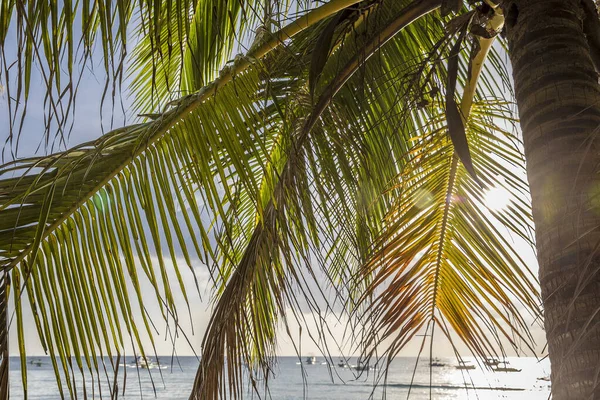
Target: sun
(497,199)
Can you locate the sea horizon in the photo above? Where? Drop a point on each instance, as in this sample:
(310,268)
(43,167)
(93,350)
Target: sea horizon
(294,379)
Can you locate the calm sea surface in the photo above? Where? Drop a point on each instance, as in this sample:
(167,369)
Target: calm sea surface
(320,381)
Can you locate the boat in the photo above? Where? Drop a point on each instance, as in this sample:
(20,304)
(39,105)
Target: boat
(363,367)
(436,362)
(310,360)
(503,366)
(343,364)
(37,363)
(145,363)
(464,365)
(491,361)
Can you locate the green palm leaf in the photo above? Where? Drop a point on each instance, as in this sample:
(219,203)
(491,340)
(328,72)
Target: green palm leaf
(262,280)
(441,259)
(180,45)
(81,208)
(192,40)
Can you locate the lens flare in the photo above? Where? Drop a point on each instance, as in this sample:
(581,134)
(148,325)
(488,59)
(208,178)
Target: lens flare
(497,199)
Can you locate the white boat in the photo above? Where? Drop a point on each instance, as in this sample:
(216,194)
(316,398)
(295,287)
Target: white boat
(503,366)
(310,360)
(465,365)
(145,363)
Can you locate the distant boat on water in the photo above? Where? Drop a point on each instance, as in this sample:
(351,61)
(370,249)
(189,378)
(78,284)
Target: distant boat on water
(362,366)
(436,362)
(503,366)
(311,360)
(146,363)
(465,365)
(37,363)
(491,361)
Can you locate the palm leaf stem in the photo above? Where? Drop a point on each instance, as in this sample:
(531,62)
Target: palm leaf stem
(495,23)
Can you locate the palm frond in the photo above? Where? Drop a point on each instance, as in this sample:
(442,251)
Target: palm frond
(87,203)
(81,208)
(187,46)
(441,258)
(243,323)
(179,45)
(50,35)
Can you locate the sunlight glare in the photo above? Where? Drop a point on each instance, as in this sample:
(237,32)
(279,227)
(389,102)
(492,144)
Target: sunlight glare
(497,198)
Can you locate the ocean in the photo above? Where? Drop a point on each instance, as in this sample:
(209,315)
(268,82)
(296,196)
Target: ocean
(295,380)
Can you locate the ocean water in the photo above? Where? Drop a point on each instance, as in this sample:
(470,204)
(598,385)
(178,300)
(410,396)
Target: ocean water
(317,382)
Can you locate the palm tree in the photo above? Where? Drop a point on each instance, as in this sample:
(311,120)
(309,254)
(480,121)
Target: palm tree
(559,113)
(334,150)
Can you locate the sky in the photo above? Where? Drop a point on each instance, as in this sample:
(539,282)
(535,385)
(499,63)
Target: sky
(89,125)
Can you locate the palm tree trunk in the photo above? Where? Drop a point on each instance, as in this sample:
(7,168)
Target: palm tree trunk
(4,360)
(558,97)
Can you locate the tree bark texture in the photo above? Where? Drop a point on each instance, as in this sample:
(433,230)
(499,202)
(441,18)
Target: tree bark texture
(558,96)
(4,359)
